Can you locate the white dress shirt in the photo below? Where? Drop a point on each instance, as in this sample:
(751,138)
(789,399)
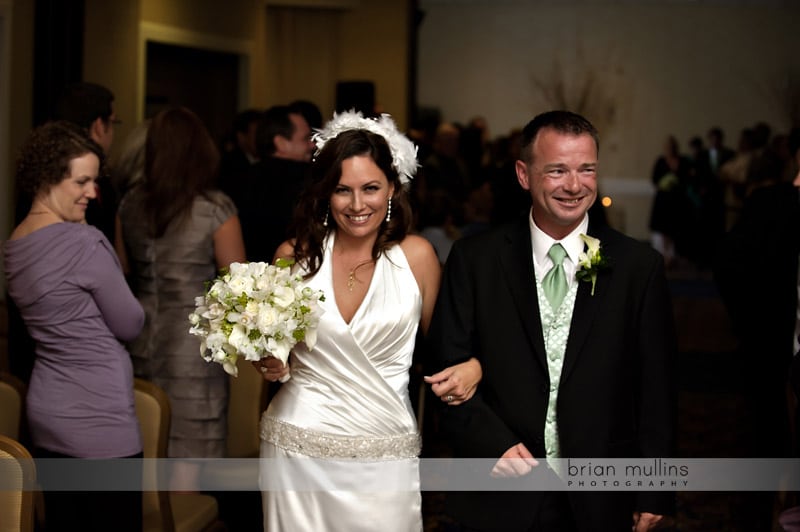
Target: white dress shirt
(542,242)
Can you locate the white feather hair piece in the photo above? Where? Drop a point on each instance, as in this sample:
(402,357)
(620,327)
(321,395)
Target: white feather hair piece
(404,152)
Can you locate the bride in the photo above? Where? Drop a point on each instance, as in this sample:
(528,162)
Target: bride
(340,443)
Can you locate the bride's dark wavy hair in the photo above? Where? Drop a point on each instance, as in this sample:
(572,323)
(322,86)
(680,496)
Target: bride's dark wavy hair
(314,202)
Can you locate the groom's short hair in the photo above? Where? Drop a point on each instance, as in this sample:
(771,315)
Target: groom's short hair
(562,121)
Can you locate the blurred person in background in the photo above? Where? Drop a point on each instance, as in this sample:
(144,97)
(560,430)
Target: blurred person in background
(69,287)
(175,232)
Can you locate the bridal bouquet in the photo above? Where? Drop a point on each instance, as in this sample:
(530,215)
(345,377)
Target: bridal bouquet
(256,310)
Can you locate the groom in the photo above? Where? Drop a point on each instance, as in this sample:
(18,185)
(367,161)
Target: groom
(571,368)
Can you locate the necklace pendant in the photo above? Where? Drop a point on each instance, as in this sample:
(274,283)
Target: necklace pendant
(351,280)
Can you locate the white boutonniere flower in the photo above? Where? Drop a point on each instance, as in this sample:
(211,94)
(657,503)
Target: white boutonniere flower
(590,261)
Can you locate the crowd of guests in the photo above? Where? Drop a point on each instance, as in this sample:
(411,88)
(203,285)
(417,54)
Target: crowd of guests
(736,213)
(700,193)
(176,206)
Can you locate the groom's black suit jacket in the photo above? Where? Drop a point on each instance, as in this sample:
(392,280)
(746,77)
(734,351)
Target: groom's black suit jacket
(615,398)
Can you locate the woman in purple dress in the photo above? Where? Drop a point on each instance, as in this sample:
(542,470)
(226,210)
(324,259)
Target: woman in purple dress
(68,284)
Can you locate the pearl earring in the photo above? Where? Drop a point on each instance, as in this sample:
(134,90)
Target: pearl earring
(389,211)
(325,220)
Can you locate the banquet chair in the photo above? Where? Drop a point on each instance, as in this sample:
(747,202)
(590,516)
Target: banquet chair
(17,482)
(246,401)
(12,402)
(5,364)
(164,511)
(235,482)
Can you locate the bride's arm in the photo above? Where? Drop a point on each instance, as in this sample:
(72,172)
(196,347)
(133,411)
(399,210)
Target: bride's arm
(284,251)
(456,384)
(427,271)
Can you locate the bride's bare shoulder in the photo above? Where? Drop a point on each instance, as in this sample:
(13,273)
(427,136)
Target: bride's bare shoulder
(418,250)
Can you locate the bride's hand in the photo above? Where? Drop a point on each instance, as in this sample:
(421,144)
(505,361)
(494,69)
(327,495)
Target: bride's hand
(272,369)
(456,384)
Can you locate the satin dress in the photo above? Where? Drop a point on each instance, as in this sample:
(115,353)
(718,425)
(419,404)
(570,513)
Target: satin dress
(340,441)
(168,273)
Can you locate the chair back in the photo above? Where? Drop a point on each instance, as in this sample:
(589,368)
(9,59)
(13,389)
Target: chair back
(5,364)
(246,401)
(153,411)
(17,482)
(12,404)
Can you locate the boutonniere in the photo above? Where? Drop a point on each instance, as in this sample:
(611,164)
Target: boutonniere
(590,261)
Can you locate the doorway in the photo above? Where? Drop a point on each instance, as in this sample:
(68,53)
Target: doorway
(205,81)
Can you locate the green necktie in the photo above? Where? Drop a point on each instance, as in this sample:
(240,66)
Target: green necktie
(555,281)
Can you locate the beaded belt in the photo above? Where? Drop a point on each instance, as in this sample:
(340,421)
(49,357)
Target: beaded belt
(322,445)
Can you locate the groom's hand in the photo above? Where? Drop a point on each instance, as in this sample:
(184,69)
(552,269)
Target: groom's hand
(645,521)
(515,462)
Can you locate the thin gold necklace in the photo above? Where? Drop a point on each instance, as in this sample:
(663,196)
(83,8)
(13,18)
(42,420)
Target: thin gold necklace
(351,277)
(39,212)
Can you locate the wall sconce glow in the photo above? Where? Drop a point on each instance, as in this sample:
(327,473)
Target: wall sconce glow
(606,201)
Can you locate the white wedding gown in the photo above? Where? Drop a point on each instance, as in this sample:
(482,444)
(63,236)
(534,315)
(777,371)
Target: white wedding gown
(339,441)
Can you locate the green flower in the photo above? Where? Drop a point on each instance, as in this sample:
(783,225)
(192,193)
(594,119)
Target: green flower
(590,261)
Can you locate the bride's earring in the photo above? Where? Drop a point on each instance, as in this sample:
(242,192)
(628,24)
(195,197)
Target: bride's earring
(325,220)
(389,211)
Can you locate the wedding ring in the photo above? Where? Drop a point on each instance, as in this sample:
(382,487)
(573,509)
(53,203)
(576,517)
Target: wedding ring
(448,398)
(263,369)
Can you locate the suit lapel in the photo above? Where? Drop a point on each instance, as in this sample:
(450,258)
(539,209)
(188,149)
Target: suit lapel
(516,261)
(586,309)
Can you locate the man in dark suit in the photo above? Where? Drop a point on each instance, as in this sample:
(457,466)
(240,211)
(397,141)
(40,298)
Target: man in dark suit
(91,106)
(589,376)
(240,152)
(756,272)
(718,154)
(266,194)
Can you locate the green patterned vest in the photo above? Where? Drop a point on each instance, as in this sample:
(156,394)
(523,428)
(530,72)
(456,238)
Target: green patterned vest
(555,329)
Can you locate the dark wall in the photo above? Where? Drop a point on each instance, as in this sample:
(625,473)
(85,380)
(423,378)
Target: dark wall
(57,52)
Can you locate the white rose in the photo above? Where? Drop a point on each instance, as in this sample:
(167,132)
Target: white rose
(237,269)
(250,314)
(267,316)
(241,285)
(283,296)
(218,290)
(257,269)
